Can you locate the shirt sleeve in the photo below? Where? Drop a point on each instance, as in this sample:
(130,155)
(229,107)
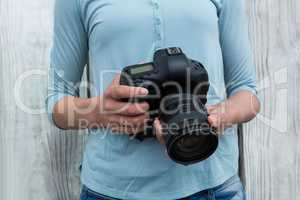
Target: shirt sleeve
(239,69)
(69,53)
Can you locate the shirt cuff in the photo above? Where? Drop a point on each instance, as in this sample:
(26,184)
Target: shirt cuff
(51,102)
(253,90)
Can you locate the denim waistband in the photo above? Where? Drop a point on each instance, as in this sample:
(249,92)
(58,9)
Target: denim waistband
(97,195)
(232,185)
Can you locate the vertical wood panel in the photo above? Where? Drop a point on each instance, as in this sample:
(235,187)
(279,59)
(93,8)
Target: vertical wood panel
(271,142)
(38,162)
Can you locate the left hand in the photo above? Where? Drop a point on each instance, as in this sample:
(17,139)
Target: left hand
(239,108)
(219,117)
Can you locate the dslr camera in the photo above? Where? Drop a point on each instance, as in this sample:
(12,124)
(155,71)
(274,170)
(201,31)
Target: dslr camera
(177,88)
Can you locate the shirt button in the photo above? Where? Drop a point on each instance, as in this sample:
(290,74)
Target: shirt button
(159,36)
(158,21)
(156,5)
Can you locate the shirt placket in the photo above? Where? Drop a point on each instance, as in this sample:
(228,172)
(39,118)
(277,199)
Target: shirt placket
(158,23)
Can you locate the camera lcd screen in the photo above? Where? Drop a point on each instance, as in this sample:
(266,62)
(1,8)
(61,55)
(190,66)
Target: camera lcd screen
(141,69)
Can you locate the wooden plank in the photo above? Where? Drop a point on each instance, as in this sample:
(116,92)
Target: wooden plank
(37,160)
(271,142)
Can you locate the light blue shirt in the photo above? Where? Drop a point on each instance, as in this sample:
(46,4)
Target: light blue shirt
(112,34)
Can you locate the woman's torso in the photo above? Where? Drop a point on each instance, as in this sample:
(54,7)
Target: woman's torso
(122,33)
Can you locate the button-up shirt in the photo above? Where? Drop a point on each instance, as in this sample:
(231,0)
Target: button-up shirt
(112,34)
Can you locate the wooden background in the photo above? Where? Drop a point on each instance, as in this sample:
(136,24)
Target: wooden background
(38,162)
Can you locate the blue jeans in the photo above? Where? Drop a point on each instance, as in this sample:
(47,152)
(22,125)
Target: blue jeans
(232,189)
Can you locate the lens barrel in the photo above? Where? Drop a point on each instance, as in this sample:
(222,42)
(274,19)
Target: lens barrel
(188,135)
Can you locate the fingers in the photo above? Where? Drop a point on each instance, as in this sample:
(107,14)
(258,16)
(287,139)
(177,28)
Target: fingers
(123,108)
(213,120)
(216,118)
(211,108)
(218,122)
(123,91)
(158,131)
(122,116)
(214,124)
(118,91)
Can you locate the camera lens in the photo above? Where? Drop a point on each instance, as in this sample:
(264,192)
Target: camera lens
(191,149)
(187,146)
(193,140)
(189,143)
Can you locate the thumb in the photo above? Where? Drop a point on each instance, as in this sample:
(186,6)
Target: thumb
(213,120)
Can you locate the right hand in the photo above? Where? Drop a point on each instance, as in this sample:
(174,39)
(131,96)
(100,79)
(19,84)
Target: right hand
(120,116)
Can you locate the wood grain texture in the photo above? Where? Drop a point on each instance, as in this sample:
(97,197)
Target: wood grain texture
(272,140)
(39,162)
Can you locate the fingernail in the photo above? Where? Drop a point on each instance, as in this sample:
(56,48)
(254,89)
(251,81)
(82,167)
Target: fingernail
(143,91)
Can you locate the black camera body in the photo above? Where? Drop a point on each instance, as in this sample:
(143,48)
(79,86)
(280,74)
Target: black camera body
(177,89)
